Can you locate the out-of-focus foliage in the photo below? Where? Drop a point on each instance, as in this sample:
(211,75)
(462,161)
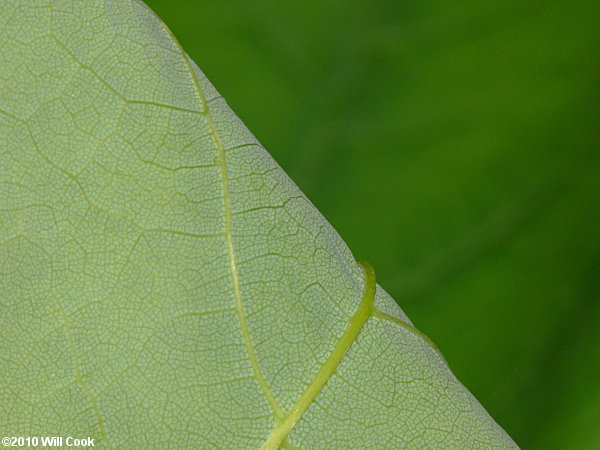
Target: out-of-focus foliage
(454,145)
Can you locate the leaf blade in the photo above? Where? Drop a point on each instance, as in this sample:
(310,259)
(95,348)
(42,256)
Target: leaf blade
(193,269)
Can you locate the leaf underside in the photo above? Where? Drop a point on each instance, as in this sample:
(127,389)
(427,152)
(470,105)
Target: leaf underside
(164,283)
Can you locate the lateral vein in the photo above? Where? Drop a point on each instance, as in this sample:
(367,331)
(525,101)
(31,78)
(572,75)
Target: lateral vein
(402,324)
(233,264)
(280,433)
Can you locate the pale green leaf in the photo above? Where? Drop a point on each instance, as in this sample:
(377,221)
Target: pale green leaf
(163,283)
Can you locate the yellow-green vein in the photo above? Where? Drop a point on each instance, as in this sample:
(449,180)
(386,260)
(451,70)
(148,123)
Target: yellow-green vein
(353,329)
(235,278)
(401,323)
(79,377)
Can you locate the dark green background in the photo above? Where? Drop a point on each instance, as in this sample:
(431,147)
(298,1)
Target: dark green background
(454,145)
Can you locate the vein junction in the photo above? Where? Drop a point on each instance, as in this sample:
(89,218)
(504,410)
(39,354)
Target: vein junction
(366,309)
(287,421)
(239,306)
(355,325)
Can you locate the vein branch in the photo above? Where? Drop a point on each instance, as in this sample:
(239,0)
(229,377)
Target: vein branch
(80,379)
(401,323)
(233,264)
(280,433)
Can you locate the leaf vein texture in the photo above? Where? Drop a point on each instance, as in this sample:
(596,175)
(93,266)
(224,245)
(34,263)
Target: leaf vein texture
(164,283)
(233,263)
(327,370)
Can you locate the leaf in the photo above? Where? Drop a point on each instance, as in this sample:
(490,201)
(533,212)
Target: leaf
(164,283)
(466,136)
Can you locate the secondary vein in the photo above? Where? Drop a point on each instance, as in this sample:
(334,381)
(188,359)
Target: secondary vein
(233,264)
(353,329)
(401,323)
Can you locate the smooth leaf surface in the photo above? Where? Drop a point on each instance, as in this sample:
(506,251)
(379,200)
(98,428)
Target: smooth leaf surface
(164,283)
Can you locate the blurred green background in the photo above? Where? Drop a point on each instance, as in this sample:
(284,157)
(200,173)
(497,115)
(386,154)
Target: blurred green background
(455,146)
